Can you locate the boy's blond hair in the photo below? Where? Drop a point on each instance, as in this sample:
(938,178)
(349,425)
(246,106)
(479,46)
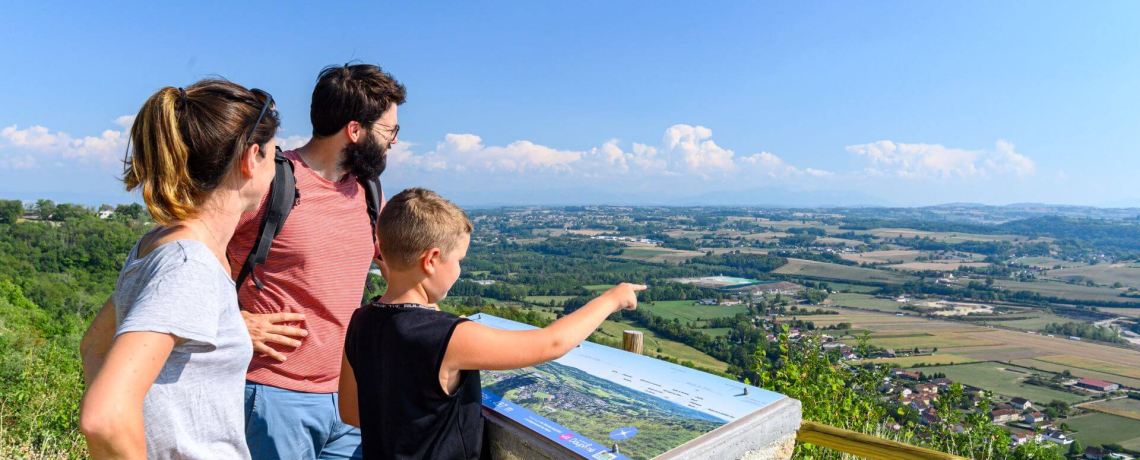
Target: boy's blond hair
(416,220)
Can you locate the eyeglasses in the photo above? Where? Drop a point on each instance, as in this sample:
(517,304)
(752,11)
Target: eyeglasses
(395,130)
(264,108)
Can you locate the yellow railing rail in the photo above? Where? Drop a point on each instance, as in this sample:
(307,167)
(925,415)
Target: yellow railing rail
(863,445)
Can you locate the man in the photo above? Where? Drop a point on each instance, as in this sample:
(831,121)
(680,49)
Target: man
(316,270)
(314,276)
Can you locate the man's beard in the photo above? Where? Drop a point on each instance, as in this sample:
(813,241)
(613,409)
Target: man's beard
(365,159)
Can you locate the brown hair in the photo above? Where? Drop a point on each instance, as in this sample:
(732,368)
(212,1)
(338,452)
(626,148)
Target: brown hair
(184,142)
(357,92)
(416,220)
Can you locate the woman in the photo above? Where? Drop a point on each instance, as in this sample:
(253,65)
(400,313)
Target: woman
(173,380)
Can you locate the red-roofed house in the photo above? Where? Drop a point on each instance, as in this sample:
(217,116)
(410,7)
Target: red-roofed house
(1098,385)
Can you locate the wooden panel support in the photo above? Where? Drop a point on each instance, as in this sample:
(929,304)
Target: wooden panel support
(631,341)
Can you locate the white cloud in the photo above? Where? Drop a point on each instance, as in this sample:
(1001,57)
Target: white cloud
(19,148)
(107,148)
(126,121)
(768,164)
(691,148)
(818,172)
(1007,160)
(466,152)
(610,158)
(685,151)
(934,160)
(37,137)
(292,142)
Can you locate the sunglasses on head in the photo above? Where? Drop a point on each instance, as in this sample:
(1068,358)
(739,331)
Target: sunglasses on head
(264,108)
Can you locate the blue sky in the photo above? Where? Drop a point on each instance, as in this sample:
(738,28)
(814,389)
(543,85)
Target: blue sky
(902,103)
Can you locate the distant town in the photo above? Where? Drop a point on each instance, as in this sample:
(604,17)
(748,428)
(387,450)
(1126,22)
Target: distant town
(1033,309)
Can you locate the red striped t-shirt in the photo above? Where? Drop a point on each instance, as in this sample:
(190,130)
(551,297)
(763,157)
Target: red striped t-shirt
(317,266)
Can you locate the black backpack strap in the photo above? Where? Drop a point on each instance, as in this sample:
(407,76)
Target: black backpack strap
(283,196)
(374,194)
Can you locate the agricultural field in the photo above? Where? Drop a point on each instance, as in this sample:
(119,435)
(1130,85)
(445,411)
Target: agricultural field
(545,299)
(1133,312)
(883,323)
(790,224)
(1124,407)
(687,311)
(1103,274)
(1078,372)
(1020,345)
(843,241)
(1098,428)
(1003,379)
(992,344)
(940,340)
(1094,365)
(947,237)
(931,360)
(598,287)
(1034,320)
(885,257)
(938,265)
(829,271)
(1065,290)
(1046,262)
(865,302)
(651,253)
(860,289)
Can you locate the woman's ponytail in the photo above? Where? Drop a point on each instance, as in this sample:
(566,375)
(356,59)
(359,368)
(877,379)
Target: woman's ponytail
(158,164)
(185,142)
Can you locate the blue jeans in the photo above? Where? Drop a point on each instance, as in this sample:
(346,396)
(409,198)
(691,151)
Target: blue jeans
(283,424)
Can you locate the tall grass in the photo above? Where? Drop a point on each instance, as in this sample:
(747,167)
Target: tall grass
(39,407)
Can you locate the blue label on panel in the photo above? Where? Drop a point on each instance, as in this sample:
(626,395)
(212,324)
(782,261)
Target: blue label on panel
(572,441)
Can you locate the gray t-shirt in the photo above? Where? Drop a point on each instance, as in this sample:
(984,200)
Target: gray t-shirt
(196,407)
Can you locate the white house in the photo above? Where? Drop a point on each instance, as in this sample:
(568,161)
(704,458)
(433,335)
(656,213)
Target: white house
(1057,437)
(1021,403)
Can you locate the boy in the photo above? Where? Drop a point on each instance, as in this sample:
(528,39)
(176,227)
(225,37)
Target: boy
(410,373)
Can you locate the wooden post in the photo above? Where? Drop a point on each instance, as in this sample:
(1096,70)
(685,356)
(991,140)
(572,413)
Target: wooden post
(631,341)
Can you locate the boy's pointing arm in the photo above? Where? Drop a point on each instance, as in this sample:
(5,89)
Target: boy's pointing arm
(474,346)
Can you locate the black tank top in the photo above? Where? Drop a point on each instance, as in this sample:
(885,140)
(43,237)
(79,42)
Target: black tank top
(395,352)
